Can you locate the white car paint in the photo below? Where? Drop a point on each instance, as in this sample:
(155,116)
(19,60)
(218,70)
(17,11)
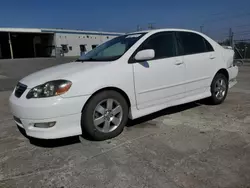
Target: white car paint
(149,86)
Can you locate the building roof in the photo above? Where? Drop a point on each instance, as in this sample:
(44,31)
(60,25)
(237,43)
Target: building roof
(21,30)
(66,31)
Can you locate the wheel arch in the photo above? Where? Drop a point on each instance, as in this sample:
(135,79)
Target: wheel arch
(224,72)
(123,93)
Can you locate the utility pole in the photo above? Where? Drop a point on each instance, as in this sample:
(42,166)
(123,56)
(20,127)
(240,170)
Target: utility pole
(233,40)
(245,54)
(150,26)
(201,28)
(231,34)
(138,28)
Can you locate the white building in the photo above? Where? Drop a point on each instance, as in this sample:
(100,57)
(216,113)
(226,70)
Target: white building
(25,42)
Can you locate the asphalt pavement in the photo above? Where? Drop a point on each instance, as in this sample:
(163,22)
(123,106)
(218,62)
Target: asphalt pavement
(11,71)
(192,145)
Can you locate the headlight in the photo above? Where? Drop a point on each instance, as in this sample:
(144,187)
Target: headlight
(49,89)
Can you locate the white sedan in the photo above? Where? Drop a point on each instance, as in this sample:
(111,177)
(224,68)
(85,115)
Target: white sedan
(127,77)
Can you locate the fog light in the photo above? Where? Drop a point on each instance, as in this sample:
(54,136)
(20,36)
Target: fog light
(45,125)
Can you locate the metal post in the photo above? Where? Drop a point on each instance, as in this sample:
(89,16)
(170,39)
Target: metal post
(245,52)
(11,50)
(34,45)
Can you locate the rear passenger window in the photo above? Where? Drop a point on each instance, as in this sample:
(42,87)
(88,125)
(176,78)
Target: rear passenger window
(162,43)
(191,43)
(208,46)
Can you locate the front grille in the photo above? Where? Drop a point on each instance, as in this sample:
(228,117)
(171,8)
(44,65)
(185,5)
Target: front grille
(20,89)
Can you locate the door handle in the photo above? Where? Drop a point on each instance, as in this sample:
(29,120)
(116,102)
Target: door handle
(178,62)
(211,57)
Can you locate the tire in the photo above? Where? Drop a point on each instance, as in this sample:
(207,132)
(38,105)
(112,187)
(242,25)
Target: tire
(99,114)
(219,89)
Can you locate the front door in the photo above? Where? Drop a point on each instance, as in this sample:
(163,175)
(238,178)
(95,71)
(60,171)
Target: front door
(160,80)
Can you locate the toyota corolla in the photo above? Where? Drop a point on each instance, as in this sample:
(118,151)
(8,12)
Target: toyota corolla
(127,77)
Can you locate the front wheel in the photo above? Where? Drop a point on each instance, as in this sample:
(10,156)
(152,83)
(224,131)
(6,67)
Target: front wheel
(105,115)
(219,89)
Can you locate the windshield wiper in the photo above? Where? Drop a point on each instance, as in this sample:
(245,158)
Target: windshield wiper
(82,60)
(110,58)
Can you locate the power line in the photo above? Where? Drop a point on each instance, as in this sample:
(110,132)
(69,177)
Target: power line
(226,28)
(245,25)
(242,32)
(225,13)
(226,18)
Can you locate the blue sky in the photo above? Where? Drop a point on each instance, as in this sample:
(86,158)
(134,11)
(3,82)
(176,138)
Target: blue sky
(123,16)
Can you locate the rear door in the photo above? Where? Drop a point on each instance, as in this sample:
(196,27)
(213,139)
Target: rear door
(200,60)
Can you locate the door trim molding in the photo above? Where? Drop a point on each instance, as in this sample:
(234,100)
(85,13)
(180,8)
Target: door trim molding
(169,86)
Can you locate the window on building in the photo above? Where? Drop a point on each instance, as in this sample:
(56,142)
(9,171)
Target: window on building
(65,48)
(70,48)
(94,46)
(83,48)
(112,49)
(162,43)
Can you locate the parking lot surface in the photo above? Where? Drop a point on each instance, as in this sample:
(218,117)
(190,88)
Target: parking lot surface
(192,145)
(12,70)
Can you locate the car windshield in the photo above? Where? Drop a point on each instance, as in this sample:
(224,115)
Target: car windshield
(113,49)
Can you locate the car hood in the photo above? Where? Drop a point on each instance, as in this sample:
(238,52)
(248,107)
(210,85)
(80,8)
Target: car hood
(58,72)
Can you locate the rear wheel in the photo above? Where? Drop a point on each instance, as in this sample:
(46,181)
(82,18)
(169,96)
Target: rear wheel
(219,89)
(105,115)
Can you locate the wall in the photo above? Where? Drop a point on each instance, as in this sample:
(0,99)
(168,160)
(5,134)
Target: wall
(75,40)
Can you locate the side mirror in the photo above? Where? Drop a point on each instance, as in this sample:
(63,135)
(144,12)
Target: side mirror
(145,55)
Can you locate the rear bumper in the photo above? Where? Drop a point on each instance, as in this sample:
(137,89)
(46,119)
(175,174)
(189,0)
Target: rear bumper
(233,73)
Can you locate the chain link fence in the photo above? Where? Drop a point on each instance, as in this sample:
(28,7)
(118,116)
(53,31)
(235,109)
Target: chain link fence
(242,49)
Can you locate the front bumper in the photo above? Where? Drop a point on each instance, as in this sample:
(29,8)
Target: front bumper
(66,112)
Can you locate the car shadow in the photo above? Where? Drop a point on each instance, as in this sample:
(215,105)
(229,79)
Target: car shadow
(52,143)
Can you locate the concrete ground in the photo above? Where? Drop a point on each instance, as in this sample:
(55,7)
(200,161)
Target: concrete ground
(192,145)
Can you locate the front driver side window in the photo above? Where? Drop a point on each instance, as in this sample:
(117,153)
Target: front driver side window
(162,43)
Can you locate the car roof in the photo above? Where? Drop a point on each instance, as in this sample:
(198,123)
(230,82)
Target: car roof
(164,29)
